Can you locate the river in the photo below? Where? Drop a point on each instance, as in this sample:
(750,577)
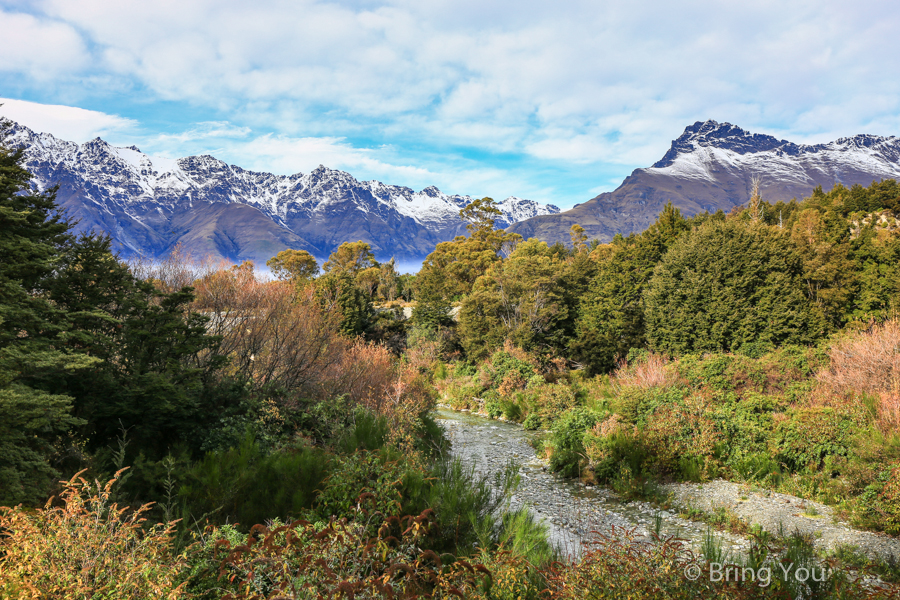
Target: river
(571,510)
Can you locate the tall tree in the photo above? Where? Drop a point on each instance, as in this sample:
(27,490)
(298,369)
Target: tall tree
(611,313)
(32,236)
(350,257)
(450,271)
(293,265)
(518,299)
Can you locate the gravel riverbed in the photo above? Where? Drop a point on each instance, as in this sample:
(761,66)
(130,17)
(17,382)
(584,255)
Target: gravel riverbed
(573,511)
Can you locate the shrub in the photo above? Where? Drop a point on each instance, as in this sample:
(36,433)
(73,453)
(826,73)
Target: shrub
(334,560)
(373,475)
(466,505)
(811,434)
(246,485)
(550,400)
(532,422)
(567,441)
(868,362)
(503,363)
(512,382)
(618,566)
(493,405)
(87,548)
(684,430)
(613,448)
(464,396)
(440,372)
(368,432)
(647,370)
(511,410)
(889,502)
(635,404)
(756,466)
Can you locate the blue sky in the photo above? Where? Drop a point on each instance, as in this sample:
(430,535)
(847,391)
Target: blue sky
(554,102)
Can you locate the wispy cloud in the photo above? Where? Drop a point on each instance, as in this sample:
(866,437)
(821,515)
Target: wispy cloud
(204,131)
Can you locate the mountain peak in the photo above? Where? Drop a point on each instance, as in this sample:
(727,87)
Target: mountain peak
(726,136)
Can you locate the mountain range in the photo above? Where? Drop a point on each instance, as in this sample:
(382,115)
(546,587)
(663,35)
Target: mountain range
(711,167)
(148,204)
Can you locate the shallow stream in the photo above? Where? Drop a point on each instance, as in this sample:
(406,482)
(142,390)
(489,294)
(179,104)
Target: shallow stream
(571,510)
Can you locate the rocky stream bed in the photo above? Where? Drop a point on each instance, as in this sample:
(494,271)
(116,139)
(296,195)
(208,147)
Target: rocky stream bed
(574,511)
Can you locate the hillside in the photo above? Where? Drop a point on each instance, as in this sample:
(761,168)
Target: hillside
(710,167)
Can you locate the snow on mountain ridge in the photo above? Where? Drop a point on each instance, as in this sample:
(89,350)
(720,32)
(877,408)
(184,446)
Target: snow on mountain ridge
(119,184)
(705,149)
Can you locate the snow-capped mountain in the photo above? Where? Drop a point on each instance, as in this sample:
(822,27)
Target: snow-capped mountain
(149,204)
(711,167)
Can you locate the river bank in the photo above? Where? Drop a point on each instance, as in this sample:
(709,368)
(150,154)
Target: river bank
(575,513)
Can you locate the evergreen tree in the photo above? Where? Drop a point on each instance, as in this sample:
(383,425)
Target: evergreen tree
(450,271)
(729,286)
(611,314)
(153,375)
(338,290)
(32,235)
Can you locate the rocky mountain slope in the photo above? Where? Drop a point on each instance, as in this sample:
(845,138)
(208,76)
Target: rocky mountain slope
(710,167)
(148,205)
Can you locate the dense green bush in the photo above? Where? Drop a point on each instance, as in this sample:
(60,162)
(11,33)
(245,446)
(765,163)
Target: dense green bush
(503,363)
(621,452)
(368,432)
(467,506)
(811,435)
(247,486)
(635,404)
(532,421)
(726,285)
(566,440)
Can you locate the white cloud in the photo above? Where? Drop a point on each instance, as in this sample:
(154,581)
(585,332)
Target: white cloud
(584,83)
(65,122)
(39,48)
(282,154)
(203,131)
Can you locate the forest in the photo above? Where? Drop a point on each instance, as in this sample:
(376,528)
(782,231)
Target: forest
(187,428)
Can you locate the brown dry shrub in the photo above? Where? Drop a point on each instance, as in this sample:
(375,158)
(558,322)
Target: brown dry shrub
(512,382)
(275,334)
(868,362)
(87,548)
(652,371)
(518,353)
(424,355)
(272,333)
(363,372)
